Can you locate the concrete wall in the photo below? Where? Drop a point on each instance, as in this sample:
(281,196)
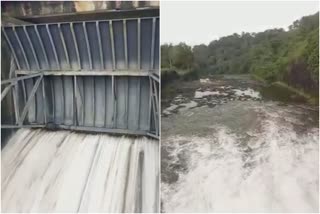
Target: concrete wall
(27,8)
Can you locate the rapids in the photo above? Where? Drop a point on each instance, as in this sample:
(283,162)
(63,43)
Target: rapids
(239,155)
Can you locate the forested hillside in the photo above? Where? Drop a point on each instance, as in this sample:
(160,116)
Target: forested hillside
(290,56)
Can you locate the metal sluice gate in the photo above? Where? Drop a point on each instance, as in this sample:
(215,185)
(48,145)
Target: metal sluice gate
(100,76)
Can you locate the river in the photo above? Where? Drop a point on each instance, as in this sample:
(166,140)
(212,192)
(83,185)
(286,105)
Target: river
(228,147)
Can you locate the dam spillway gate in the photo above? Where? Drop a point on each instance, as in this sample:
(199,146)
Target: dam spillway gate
(99,76)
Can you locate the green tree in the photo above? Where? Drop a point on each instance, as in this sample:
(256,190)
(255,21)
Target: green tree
(182,56)
(274,55)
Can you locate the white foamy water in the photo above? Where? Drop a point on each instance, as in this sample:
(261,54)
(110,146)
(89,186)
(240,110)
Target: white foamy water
(248,92)
(207,80)
(201,94)
(276,171)
(62,171)
(170,108)
(188,105)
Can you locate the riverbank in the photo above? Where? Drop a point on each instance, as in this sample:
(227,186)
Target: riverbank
(281,88)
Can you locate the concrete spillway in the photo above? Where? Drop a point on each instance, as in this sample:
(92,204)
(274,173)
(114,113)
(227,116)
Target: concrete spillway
(63,171)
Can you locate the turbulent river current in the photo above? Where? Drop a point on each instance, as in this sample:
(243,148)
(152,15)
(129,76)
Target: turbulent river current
(63,171)
(227,149)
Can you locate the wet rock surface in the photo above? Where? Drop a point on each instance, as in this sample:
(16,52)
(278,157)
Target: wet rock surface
(210,92)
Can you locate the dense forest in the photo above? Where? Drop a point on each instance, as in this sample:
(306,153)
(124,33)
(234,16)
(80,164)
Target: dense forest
(290,56)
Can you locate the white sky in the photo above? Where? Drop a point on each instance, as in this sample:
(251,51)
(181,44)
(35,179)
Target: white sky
(196,22)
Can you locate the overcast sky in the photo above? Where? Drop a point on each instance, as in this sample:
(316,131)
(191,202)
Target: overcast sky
(197,22)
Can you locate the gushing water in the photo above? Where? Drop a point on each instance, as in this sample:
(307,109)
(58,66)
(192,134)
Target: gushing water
(62,171)
(272,168)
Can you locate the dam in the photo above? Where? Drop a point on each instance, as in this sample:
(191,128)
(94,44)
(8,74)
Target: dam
(80,125)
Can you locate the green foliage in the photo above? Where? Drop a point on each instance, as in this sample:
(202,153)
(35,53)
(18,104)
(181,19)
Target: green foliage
(191,75)
(273,55)
(201,56)
(167,76)
(166,56)
(176,56)
(312,53)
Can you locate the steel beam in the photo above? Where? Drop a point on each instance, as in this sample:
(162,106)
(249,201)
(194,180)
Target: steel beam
(100,20)
(78,97)
(64,45)
(139,43)
(153,42)
(11,47)
(139,100)
(12,72)
(83,98)
(155,77)
(44,102)
(21,47)
(87,44)
(100,46)
(150,103)
(105,100)
(24,91)
(127,103)
(125,41)
(156,92)
(15,102)
(114,101)
(5,91)
(155,106)
(103,130)
(63,97)
(32,93)
(75,115)
(74,38)
(16,79)
(8,126)
(32,48)
(94,102)
(53,47)
(112,45)
(53,99)
(153,135)
(42,46)
(84,73)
